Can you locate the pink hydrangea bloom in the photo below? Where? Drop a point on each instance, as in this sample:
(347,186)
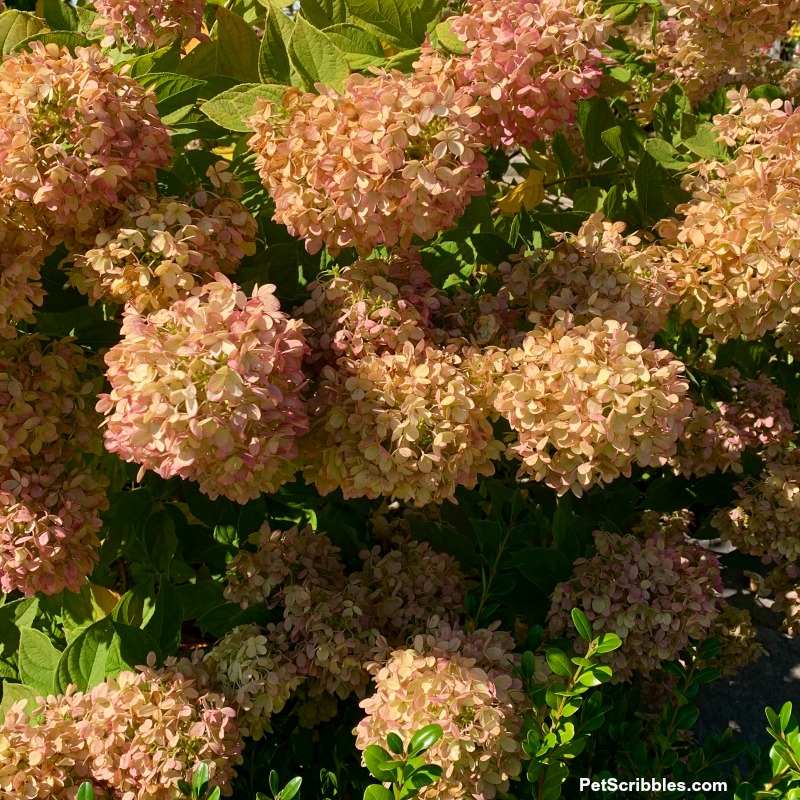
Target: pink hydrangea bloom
(208,390)
(529,62)
(589,401)
(655,594)
(371,306)
(149,23)
(22,251)
(159,248)
(598,272)
(390,157)
(477,703)
(132,737)
(49,521)
(46,393)
(412,425)
(75,136)
(766,520)
(756,417)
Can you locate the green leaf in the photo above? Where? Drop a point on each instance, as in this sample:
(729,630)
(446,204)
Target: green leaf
(558,661)
(544,567)
(38,660)
(607,642)
(649,180)
(13,693)
(594,117)
(200,779)
(361,48)
(377,793)
(60,16)
(399,22)
(86,20)
(582,624)
(666,155)
(291,789)
(395,743)
(167,59)
(173,91)
(376,759)
(273,55)
(160,540)
(16,27)
(668,110)
(424,739)
(701,139)
(83,608)
(448,39)
(164,625)
(86,792)
(316,58)
(237,47)
(101,651)
(231,109)
(324,13)
(66,39)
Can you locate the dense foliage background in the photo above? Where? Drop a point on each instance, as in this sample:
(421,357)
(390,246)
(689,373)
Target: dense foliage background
(391,394)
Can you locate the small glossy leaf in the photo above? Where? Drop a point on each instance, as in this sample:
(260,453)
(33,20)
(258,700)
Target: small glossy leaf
(377,793)
(395,743)
(291,789)
(582,624)
(376,760)
(86,792)
(607,642)
(558,661)
(424,739)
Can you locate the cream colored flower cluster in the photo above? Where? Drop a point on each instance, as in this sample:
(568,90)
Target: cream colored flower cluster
(756,417)
(529,63)
(256,674)
(132,737)
(22,251)
(208,390)
(332,623)
(390,157)
(477,702)
(589,401)
(149,23)
(766,520)
(49,501)
(703,41)
(76,137)
(159,248)
(371,306)
(737,245)
(600,272)
(412,425)
(655,594)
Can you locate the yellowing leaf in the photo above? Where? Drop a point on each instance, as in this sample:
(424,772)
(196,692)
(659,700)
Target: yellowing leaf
(527,194)
(224,152)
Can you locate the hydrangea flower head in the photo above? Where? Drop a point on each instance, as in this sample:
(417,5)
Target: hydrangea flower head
(76,137)
(149,23)
(208,390)
(390,157)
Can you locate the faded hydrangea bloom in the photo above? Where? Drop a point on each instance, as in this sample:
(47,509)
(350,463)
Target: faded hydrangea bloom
(703,41)
(655,594)
(529,63)
(390,157)
(589,401)
(739,637)
(46,393)
(149,23)
(159,248)
(22,251)
(49,522)
(412,425)
(208,390)
(370,306)
(736,246)
(280,559)
(756,416)
(133,737)
(598,272)
(766,520)
(255,673)
(75,137)
(477,702)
